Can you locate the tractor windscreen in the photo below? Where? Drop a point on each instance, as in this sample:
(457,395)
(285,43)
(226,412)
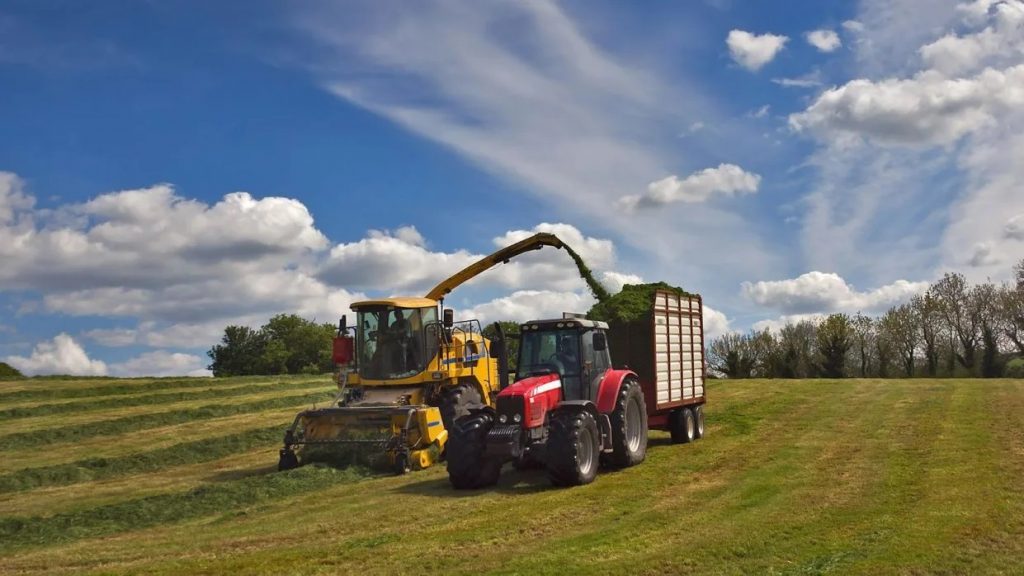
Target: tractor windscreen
(552,350)
(393,343)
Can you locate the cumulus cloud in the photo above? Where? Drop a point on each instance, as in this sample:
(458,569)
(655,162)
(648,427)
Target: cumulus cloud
(715,323)
(820,292)
(753,51)
(524,305)
(982,255)
(998,44)
(777,324)
(928,109)
(824,40)
(1014,228)
(160,363)
(724,180)
(62,355)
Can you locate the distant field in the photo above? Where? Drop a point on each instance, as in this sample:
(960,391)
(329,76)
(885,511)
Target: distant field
(794,477)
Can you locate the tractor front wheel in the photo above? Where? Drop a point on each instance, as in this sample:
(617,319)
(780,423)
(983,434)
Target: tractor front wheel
(573,449)
(468,468)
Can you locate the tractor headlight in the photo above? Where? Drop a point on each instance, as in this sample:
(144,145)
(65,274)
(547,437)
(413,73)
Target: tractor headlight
(517,418)
(502,418)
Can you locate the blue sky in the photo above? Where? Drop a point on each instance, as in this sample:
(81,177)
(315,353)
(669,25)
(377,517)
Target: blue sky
(167,169)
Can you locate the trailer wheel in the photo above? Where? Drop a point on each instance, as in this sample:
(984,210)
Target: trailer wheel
(683,427)
(629,427)
(455,403)
(573,449)
(698,417)
(467,466)
(288,460)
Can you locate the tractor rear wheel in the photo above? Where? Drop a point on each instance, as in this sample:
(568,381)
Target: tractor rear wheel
(683,426)
(468,468)
(629,427)
(455,403)
(573,448)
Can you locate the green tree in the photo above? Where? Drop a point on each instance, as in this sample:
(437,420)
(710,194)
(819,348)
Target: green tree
(8,371)
(511,331)
(239,353)
(732,355)
(834,339)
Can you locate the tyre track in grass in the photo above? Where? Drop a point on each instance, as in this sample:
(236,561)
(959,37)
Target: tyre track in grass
(79,406)
(48,436)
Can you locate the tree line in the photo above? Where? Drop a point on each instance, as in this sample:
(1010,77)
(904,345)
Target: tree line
(953,329)
(286,344)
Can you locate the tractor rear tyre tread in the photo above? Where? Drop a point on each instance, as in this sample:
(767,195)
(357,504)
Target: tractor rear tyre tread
(468,468)
(573,448)
(629,439)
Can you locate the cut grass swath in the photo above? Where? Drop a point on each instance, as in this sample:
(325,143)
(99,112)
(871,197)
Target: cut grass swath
(205,450)
(50,390)
(141,400)
(144,421)
(164,509)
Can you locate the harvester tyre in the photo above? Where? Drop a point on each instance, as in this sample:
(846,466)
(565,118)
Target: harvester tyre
(287,461)
(455,403)
(698,418)
(683,426)
(573,449)
(402,465)
(468,468)
(629,427)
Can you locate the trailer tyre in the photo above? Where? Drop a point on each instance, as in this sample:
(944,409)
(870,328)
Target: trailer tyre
(683,426)
(573,449)
(467,466)
(698,418)
(629,427)
(455,403)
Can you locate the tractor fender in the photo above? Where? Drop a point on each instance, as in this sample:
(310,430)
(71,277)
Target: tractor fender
(604,424)
(608,390)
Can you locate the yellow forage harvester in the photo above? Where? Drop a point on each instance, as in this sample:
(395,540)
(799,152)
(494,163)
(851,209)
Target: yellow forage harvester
(404,376)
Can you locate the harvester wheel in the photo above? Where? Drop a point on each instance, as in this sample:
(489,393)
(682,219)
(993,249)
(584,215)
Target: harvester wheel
(683,426)
(467,466)
(402,465)
(629,427)
(288,460)
(698,417)
(455,403)
(573,449)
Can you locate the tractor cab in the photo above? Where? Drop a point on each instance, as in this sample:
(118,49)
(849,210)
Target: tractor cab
(392,340)
(574,348)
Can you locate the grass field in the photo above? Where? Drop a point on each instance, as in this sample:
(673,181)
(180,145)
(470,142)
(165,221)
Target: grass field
(794,477)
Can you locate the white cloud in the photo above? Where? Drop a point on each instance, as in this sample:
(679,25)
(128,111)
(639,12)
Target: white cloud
(13,199)
(824,40)
(526,305)
(999,44)
(160,363)
(753,51)
(1014,228)
(715,323)
(819,292)
(928,109)
(777,324)
(810,80)
(981,255)
(725,180)
(62,355)
(761,112)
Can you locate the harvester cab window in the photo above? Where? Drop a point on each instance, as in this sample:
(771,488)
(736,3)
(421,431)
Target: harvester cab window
(392,342)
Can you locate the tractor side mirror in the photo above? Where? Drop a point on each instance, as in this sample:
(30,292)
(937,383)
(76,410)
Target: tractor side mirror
(448,318)
(342,325)
(600,342)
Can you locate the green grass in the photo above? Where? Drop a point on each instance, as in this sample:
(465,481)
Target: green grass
(137,422)
(794,477)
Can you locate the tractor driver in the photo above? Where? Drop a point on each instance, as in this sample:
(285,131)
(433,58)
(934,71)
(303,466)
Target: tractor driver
(566,351)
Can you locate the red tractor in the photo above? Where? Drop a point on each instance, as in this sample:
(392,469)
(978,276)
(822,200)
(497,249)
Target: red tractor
(571,411)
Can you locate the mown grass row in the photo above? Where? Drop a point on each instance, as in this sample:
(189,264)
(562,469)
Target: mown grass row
(50,390)
(152,420)
(91,469)
(141,400)
(215,499)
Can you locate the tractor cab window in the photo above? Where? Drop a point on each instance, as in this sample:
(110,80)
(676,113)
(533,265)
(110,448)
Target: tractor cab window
(553,351)
(392,342)
(595,363)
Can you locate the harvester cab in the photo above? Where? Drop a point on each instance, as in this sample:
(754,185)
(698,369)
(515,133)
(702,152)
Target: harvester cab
(404,377)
